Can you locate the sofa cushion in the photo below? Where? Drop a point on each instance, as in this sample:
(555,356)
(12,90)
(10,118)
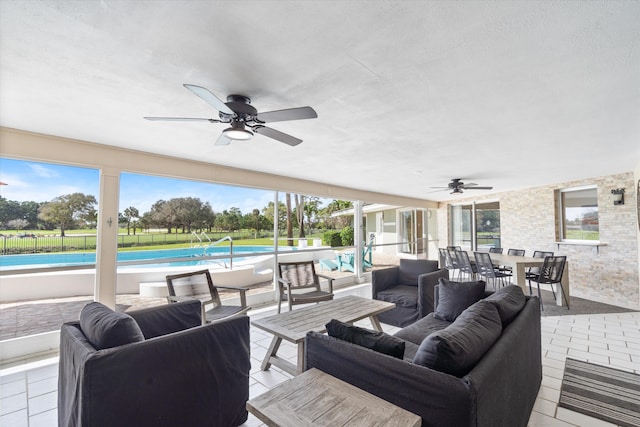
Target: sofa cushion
(105,328)
(509,300)
(401,295)
(456,349)
(418,331)
(455,297)
(377,341)
(410,269)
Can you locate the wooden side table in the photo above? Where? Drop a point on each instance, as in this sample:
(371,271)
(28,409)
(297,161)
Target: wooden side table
(315,398)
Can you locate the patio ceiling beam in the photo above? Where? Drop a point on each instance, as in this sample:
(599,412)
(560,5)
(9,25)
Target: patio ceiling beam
(46,148)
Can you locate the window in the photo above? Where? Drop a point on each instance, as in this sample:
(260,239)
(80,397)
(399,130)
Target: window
(476,226)
(579,214)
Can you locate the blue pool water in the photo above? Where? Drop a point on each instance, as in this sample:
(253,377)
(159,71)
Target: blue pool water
(79,258)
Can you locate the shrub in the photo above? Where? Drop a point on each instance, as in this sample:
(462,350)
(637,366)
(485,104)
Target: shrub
(331,238)
(346,236)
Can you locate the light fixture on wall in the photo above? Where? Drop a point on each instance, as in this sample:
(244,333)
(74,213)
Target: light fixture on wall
(618,196)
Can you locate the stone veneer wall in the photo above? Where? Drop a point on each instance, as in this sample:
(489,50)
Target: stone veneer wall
(607,274)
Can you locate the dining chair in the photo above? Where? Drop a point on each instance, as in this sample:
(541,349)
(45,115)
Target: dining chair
(466,266)
(442,257)
(533,272)
(486,269)
(455,263)
(495,250)
(551,273)
(514,252)
(199,285)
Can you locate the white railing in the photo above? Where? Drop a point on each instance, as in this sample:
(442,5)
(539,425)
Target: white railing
(198,236)
(204,253)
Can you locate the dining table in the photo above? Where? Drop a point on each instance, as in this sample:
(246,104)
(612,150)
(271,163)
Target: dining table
(519,266)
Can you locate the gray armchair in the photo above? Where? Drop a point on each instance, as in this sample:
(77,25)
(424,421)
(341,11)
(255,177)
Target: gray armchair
(172,372)
(410,286)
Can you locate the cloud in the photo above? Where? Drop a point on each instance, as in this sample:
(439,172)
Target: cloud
(42,171)
(13,181)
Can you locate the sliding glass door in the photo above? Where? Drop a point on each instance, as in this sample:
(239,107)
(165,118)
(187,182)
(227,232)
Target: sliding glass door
(475,226)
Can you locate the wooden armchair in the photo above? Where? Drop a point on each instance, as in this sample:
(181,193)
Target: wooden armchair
(298,283)
(199,285)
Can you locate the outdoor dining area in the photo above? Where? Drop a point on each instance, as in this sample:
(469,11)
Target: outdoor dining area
(513,267)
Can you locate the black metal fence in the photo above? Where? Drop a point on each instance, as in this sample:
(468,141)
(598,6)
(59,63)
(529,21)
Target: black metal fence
(32,244)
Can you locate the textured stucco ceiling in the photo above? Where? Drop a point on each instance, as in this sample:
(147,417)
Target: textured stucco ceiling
(408,94)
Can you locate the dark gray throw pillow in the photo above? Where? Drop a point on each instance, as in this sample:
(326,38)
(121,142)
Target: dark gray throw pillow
(377,341)
(105,328)
(455,297)
(459,347)
(509,301)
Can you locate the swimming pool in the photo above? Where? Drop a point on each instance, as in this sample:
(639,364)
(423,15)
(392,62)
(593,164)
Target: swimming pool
(80,258)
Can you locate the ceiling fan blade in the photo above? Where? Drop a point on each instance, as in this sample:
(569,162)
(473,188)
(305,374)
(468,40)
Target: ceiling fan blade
(182,119)
(210,98)
(277,135)
(477,188)
(223,140)
(289,114)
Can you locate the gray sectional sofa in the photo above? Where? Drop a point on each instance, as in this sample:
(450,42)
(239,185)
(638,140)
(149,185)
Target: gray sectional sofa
(490,382)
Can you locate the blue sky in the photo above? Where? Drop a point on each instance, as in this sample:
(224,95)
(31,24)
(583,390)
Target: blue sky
(41,182)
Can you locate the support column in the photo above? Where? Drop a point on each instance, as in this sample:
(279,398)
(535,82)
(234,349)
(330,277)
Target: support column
(107,244)
(474,230)
(357,237)
(275,242)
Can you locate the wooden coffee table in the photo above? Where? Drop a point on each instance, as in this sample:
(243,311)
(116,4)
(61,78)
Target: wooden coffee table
(294,325)
(315,398)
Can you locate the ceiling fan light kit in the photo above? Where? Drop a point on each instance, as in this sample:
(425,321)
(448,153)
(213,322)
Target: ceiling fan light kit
(239,113)
(237,132)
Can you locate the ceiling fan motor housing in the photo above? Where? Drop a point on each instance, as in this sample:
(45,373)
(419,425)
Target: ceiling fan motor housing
(241,106)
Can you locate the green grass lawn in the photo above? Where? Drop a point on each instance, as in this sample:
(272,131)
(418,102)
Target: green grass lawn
(85,240)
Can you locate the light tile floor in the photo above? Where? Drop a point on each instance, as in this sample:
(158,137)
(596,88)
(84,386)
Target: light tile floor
(28,390)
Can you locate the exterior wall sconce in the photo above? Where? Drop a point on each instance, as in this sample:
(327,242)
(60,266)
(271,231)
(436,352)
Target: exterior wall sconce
(618,196)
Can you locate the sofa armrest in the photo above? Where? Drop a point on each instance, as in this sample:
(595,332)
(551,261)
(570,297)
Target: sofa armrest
(511,371)
(166,380)
(383,279)
(440,399)
(426,290)
(169,318)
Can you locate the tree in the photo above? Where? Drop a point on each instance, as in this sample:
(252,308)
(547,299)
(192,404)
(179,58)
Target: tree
(289,222)
(9,210)
(335,206)
(300,213)
(130,214)
(256,219)
(65,210)
(17,224)
(162,215)
(29,211)
(267,212)
(188,211)
(311,208)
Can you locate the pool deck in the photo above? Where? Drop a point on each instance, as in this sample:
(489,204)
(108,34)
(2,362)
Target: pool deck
(23,318)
